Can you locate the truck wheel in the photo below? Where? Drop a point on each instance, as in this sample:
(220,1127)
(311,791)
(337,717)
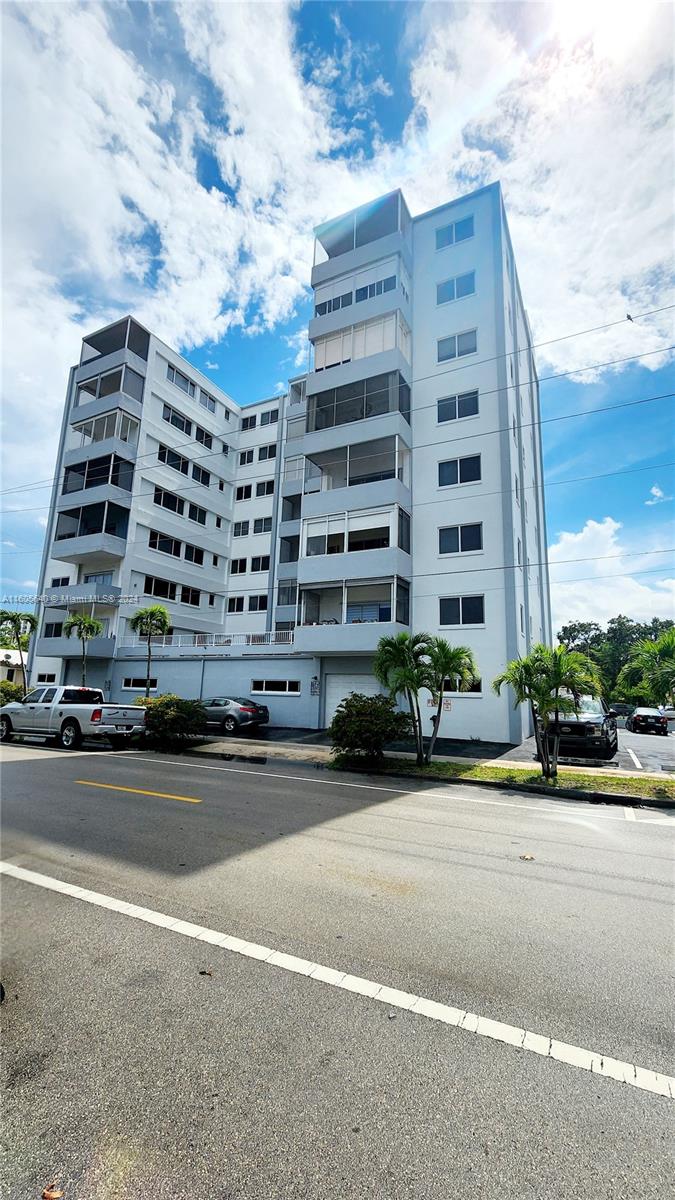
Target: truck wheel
(70,736)
(6,733)
(229,725)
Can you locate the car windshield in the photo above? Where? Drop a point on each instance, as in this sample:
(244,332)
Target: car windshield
(590,706)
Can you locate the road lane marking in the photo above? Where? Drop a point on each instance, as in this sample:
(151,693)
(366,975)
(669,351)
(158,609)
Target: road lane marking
(114,787)
(401,792)
(635,759)
(511,1035)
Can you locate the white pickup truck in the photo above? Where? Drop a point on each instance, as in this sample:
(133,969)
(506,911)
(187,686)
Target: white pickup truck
(70,714)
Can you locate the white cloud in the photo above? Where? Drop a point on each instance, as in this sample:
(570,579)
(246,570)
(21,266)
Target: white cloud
(595,589)
(8,543)
(211,366)
(104,212)
(299,343)
(658,496)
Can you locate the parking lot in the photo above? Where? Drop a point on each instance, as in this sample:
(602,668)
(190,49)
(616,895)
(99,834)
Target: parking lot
(637,752)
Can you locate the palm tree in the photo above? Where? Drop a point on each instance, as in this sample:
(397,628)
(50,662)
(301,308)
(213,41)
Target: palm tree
(150,622)
(524,676)
(20,626)
(85,628)
(446,662)
(651,667)
(399,664)
(550,681)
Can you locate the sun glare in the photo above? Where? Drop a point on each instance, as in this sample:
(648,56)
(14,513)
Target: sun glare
(612,25)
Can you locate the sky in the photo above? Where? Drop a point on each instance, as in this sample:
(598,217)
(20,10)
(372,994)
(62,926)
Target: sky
(171,160)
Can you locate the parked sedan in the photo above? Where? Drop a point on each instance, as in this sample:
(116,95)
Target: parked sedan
(228,714)
(648,720)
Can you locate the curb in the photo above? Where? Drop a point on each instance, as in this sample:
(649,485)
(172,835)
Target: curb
(528,788)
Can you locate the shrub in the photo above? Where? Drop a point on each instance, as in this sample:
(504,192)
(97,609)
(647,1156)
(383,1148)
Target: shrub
(10,691)
(171,722)
(363,725)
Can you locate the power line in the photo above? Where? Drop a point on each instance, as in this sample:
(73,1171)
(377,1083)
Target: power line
(39,485)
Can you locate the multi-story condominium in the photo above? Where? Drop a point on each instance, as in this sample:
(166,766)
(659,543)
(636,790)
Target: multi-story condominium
(395,487)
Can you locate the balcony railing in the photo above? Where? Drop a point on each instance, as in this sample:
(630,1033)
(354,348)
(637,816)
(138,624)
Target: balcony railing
(201,640)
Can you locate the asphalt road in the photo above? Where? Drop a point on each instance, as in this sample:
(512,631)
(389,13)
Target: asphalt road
(131,1074)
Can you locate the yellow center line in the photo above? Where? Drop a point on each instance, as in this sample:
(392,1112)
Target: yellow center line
(113,787)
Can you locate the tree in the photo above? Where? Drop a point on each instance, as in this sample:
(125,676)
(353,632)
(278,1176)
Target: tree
(550,681)
(399,665)
(19,626)
(85,628)
(148,623)
(585,636)
(363,725)
(444,661)
(651,668)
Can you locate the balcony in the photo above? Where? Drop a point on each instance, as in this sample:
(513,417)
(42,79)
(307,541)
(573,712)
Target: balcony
(103,548)
(63,647)
(123,337)
(379,229)
(376,472)
(82,595)
(95,531)
(209,645)
(371,610)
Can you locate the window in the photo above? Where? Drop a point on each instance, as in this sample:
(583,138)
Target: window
(194,554)
(361,341)
(175,376)
(243,492)
(453,408)
(517,489)
(457,288)
(289,687)
(190,595)
(404,530)
(164,544)
(208,402)
(356,401)
(262,525)
(238,566)
(215,560)
(375,289)
(177,419)
(522,619)
(458,231)
(133,683)
(164,589)
(218,522)
(100,577)
(462,610)
(520,553)
(195,513)
(59,581)
(168,500)
(284,626)
(269,418)
(53,629)
(332,305)
(240,529)
(451,688)
(266,452)
(44,677)
(257,603)
(171,459)
(459,470)
(235,604)
(201,476)
(203,437)
(212,600)
(514,430)
(457,345)
(266,488)
(245,457)
(221,485)
(226,449)
(456,539)
(248,423)
(260,562)
(287,591)
(98,472)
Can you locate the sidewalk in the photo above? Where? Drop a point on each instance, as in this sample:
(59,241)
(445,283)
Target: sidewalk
(259,751)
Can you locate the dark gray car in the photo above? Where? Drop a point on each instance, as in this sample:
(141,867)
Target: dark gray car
(230,713)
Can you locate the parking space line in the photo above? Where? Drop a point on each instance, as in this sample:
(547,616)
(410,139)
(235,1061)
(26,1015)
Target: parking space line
(115,787)
(635,759)
(575,1056)
(629,813)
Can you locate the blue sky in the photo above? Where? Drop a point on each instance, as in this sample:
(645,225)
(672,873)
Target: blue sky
(171,159)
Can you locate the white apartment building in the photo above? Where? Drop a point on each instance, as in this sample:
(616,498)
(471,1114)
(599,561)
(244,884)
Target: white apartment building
(396,487)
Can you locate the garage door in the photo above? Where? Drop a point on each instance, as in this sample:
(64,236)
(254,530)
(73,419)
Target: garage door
(339,686)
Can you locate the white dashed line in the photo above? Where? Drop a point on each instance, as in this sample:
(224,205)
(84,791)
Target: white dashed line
(629,813)
(635,759)
(498,1031)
